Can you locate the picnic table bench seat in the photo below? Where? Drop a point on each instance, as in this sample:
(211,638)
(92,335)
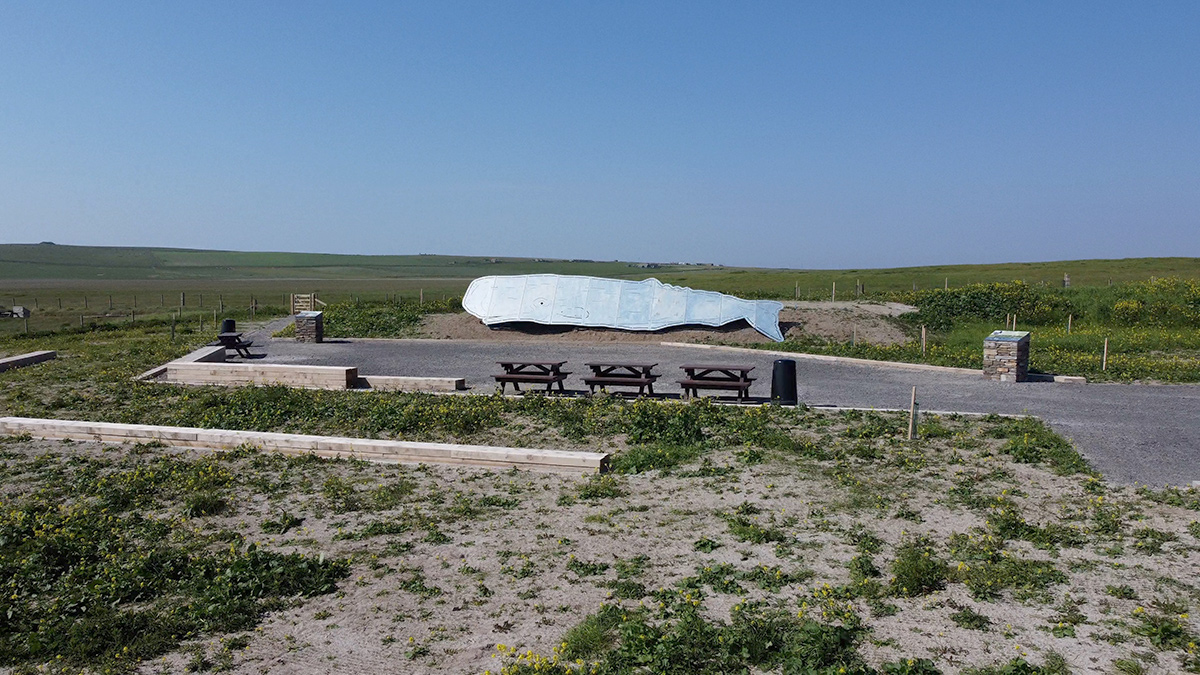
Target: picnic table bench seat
(642,383)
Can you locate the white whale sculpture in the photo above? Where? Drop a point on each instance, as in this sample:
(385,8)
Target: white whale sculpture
(557,299)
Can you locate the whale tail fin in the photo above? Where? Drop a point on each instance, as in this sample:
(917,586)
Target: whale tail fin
(765,318)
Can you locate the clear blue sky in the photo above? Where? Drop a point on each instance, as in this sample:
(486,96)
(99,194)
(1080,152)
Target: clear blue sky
(797,134)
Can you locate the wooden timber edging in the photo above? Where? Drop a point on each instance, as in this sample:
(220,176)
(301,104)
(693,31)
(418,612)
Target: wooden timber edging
(206,354)
(372,450)
(397,383)
(239,374)
(207,366)
(22,360)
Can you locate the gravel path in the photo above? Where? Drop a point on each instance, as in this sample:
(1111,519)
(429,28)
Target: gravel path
(1131,433)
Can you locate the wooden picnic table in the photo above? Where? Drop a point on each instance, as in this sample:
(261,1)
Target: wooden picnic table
(735,377)
(234,341)
(622,374)
(532,372)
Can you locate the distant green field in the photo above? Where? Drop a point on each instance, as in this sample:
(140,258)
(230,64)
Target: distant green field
(67,284)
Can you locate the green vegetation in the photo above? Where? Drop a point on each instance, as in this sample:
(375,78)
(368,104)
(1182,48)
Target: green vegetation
(104,564)
(1151,328)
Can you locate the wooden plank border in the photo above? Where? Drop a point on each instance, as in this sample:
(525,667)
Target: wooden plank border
(22,360)
(373,450)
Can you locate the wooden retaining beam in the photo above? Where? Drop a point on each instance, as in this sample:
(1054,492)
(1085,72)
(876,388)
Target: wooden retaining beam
(22,360)
(209,354)
(395,383)
(373,450)
(240,374)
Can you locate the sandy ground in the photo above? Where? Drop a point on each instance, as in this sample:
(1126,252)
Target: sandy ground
(839,321)
(502,575)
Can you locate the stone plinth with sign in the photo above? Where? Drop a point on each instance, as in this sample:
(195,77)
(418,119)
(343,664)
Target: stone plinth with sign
(1006,356)
(310,326)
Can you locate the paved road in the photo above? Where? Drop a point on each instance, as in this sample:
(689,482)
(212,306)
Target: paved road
(1144,433)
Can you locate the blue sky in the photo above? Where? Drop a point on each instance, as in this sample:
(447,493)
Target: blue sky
(792,134)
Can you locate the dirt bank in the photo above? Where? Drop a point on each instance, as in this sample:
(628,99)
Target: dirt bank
(874,323)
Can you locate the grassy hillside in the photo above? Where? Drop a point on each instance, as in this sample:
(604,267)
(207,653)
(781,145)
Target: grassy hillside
(27,264)
(53,261)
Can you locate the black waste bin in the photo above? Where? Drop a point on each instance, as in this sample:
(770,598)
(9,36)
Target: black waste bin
(783,382)
(228,326)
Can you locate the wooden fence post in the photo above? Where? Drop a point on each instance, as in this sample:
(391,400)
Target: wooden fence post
(912,415)
(1104,358)
(833,298)
(922,340)
(1069,324)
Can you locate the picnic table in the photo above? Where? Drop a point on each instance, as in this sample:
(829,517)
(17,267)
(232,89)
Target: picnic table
(235,342)
(622,374)
(532,372)
(716,376)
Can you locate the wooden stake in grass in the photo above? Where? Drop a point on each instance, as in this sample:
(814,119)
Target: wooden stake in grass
(854,336)
(912,416)
(421,298)
(110,302)
(922,340)
(172,326)
(1069,324)
(1104,358)
(833,297)
(182,299)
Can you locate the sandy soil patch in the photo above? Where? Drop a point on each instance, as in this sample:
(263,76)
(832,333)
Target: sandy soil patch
(449,563)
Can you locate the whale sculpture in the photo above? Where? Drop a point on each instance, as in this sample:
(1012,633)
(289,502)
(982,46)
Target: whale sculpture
(556,299)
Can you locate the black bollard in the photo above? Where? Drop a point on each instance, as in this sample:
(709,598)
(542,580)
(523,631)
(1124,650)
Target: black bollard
(783,382)
(228,326)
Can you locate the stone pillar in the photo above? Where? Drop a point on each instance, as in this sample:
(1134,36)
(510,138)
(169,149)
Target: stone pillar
(1006,356)
(310,326)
